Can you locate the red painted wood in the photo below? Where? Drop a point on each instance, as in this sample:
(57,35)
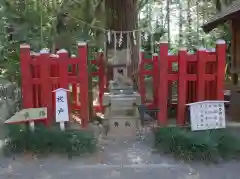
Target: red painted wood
(201,57)
(74,85)
(147,60)
(172,58)
(211,57)
(94,62)
(54,74)
(155,76)
(46,89)
(214,82)
(95,73)
(163,84)
(27,87)
(63,75)
(221,63)
(170,82)
(182,87)
(101,81)
(147,72)
(83,76)
(36,90)
(200,77)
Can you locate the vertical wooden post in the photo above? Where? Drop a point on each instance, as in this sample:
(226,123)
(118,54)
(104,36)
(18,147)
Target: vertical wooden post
(55,73)
(201,65)
(163,84)
(54,67)
(63,68)
(101,79)
(46,87)
(83,76)
(63,73)
(221,63)
(27,86)
(170,82)
(155,79)
(182,86)
(142,89)
(74,86)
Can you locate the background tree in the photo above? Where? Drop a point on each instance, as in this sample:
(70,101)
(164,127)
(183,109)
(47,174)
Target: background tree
(60,23)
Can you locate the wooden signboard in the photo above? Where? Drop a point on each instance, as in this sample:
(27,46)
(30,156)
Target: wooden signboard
(207,115)
(28,116)
(61,103)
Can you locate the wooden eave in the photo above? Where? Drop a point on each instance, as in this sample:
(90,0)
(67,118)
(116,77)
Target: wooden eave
(226,14)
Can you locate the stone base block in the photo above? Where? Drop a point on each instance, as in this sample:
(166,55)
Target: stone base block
(121,127)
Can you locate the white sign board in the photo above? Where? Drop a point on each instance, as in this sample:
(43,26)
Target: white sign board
(61,102)
(206,115)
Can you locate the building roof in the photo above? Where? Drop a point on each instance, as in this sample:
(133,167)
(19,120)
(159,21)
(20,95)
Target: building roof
(221,17)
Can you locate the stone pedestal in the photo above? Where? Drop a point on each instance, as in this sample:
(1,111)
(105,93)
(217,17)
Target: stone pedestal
(122,110)
(122,126)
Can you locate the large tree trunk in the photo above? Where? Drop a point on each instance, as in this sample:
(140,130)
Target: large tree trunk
(189,25)
(122,16)
(168,21)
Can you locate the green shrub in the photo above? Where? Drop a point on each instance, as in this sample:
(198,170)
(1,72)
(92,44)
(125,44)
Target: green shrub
(198,145)
(49,140)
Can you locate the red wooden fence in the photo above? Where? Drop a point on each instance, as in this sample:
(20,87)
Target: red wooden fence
(42,73)
(199,77)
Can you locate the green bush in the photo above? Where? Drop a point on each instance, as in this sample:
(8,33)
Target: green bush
(200,145)
(49,140)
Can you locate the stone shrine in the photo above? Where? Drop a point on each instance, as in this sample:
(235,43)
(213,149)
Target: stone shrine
(121,105)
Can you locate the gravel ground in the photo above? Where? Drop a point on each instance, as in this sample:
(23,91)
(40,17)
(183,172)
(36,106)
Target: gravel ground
(118,159)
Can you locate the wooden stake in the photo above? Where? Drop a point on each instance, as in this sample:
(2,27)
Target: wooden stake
(62,126)
(32,126)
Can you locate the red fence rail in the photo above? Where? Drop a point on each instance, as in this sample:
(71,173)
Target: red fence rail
(199,77)
(44,72)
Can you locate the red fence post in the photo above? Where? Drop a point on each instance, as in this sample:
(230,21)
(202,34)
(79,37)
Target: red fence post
(63,73)
(74,85)
(83,76)
(26,76)
(63,68)
(170,82)
(221,63)
(46,87)
(54,68)
(155,79)
(182,86)
(142,90)
(163,84)
(201,65)
(101,79)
